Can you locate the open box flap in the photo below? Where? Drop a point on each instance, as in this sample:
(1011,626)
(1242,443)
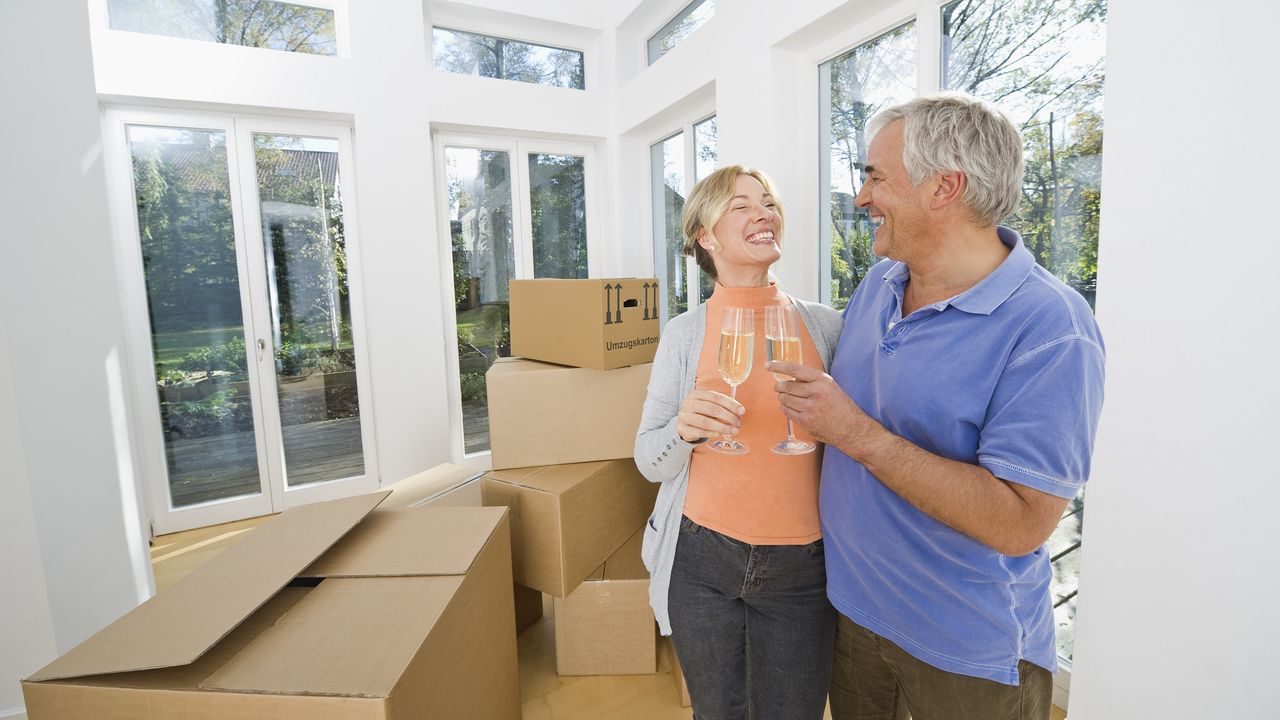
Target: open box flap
(180,624)
(418,541)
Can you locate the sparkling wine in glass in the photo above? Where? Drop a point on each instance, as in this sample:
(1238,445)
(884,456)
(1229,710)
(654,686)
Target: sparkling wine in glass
(737,346)
(782,343)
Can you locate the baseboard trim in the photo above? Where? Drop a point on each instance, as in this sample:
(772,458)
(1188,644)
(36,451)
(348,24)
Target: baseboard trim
(14,714)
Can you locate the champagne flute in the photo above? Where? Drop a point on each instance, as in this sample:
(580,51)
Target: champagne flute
(737,345)
(782,342)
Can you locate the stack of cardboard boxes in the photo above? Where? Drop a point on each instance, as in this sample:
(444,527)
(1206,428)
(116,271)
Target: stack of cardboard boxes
(563,416)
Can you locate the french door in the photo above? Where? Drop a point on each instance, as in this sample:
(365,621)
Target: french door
(236,239)
(511,208)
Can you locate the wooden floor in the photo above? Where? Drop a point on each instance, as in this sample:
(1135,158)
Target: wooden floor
(544,694)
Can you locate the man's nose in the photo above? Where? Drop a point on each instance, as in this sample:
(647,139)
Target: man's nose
(863,198)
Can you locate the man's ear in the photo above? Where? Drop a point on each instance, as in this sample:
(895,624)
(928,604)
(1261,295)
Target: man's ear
(949,188)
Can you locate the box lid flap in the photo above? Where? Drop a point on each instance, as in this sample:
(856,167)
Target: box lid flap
(348,636)
(180,624)
(417,489)
(418,541)
(550,478)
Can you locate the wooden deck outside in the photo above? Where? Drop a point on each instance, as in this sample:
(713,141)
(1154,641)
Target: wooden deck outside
(226,466)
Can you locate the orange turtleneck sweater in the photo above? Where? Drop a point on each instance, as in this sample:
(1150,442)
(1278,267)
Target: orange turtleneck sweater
(760,498)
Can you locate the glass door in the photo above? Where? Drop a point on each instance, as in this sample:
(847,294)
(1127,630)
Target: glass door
(511,209)
(246,365)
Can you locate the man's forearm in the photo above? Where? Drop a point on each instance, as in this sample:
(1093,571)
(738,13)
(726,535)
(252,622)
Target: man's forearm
(965,497)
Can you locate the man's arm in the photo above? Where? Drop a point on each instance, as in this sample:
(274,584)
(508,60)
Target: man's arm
(1011,518)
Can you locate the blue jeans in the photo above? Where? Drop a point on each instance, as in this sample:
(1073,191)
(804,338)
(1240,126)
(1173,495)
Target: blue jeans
(752,626)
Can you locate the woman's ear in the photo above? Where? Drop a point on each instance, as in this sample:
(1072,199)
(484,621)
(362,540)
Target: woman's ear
(707,241)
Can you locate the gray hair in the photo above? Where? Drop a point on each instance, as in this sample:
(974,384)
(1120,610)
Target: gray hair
(953,131)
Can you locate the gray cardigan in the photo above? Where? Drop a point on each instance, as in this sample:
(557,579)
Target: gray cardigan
(663,456)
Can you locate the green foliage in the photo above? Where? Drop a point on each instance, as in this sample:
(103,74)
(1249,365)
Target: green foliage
(473,387)
(216,414)
(227,358)
(557,199)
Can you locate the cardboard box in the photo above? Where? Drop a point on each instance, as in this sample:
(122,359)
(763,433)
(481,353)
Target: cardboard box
(606,627)
(328,611)
(567,519)
(682,689)
(445,485)
(427,487)
(543,414)
(601,323)
(528,607)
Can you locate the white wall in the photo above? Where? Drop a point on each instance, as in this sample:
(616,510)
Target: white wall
(1177,616)
(74,550)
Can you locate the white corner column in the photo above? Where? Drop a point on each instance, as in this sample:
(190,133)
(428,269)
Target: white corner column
(72,531)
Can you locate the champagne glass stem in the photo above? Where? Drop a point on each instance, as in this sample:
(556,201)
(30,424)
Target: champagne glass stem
(791,435)
(733,394)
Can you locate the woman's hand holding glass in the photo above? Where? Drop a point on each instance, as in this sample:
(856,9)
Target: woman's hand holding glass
(707,413)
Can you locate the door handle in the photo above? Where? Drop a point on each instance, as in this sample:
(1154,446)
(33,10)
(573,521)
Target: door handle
(262,348)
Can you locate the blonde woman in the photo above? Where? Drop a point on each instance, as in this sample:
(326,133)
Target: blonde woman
(734,544)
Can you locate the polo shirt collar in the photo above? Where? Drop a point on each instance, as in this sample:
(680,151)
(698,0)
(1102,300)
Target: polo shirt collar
(991,291)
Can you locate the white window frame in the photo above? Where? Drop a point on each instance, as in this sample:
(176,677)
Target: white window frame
(670,25)
(582,54)
(274,494)
(927,15)
(518,149)
(658,218)
(99,21)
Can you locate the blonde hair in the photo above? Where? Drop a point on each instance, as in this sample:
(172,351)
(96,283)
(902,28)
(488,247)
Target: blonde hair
(709,201)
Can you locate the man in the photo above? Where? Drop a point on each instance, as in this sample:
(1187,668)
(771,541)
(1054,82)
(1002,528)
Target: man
(959,418)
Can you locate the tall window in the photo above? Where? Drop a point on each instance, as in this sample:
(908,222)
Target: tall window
(467,53)
(858,84)
(1043,65)
(692,17)
(292,27)
(515,210)
(243,291)
(672,161)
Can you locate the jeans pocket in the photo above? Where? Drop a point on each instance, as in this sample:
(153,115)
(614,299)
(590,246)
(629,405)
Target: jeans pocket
(815,548)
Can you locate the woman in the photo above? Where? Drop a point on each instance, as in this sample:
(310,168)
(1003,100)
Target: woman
(734,545)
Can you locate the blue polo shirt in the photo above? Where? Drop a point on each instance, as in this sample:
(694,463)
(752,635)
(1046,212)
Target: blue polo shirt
(1006,375)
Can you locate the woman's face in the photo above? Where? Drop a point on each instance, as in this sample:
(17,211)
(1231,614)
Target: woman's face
(745,239)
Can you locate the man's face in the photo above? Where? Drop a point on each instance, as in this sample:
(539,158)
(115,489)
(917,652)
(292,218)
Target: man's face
(898,210)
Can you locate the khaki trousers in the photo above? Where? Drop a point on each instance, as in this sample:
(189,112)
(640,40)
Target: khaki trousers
(874,679)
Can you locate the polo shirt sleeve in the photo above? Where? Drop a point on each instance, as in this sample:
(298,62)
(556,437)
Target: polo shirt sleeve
(1043,417)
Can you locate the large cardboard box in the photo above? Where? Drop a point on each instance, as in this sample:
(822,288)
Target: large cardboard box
(606,627)
(428,487)
(600,323)
(329,611)
(543,414)
(568,519)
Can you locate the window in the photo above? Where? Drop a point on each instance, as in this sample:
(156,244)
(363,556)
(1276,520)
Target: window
(672,161)
(692,17)
(515,209)
(1050,84)
(243,293)
(253,23)
(1043,65)
(857,84)
(466,53)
